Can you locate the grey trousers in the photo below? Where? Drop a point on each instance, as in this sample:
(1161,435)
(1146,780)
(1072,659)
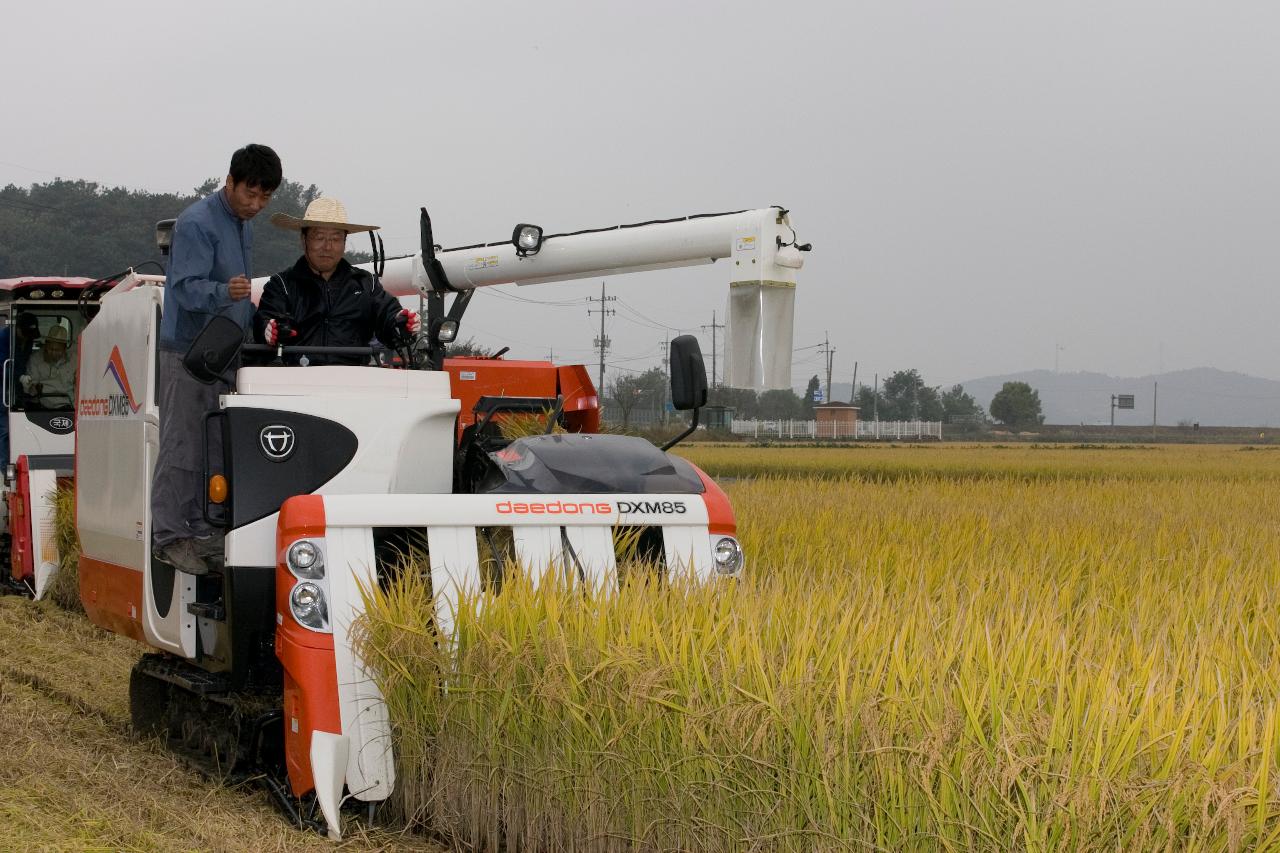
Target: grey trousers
(178,487)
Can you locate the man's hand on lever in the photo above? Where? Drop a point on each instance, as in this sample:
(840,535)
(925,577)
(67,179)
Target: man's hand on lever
(279,332)
(409,322)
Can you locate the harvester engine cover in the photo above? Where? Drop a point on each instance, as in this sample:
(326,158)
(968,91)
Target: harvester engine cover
(586,463)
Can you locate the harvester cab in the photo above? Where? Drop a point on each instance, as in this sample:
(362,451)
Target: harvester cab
(43,319)
(325,477)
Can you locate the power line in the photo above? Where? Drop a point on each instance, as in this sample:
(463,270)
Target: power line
(550,303)
(647,318)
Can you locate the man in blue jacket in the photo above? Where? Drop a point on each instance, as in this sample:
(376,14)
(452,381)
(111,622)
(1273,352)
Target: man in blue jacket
(210,266)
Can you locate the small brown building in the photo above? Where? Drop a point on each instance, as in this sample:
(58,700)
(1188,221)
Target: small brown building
(835,420)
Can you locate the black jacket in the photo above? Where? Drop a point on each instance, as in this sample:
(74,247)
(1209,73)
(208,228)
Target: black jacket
(348,310)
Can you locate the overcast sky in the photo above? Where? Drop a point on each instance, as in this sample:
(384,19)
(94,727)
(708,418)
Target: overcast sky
(984,183)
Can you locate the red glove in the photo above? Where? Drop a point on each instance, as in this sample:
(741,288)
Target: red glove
(410,320)
(277,331)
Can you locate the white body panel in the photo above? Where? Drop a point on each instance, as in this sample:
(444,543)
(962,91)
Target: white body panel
(44,549)
(404,421)
(451,522)
(370,769)
(27,439)
(329,754)
(118,420)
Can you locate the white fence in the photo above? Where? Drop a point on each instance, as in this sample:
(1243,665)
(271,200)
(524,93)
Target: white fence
(865,429)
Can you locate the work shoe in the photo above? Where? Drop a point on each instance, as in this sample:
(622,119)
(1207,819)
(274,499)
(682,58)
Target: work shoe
(183,556)
(212,549)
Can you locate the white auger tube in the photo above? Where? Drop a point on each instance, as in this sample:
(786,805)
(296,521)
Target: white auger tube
(760,245)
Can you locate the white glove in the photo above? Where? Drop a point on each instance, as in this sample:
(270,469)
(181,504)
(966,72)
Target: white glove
(25,382)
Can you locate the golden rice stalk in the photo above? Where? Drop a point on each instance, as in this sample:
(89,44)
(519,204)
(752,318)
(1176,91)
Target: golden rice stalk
(64,586)
(933,649)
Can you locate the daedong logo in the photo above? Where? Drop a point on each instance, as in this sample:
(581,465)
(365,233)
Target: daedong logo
(113,405)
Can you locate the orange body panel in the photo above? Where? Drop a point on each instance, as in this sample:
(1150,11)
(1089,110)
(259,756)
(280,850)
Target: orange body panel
(310,671)
(473,378)
(21,549)
(720,517)
(112,597)
(581,403)
(496,377)
(310,704)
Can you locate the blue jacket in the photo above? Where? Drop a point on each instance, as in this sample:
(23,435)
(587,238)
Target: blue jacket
(210,247)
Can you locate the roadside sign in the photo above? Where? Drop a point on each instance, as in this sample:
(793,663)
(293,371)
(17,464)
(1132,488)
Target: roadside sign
(1124,401)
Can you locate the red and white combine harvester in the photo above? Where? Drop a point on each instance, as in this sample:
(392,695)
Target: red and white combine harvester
(326,475)
(41,421)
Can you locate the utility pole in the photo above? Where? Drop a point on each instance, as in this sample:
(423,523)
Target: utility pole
(714,325)
(666,371)
(1155,399)
(551,355)
(875,400)
(1057,348)
(602,342)
(853,387)
(827,350)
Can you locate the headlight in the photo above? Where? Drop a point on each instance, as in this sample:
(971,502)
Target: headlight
(728,555)
(308,606)
(305,560)
(527,239)
(447,332)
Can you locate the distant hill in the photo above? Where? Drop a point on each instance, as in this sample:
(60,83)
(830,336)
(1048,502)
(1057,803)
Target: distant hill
(1203,395)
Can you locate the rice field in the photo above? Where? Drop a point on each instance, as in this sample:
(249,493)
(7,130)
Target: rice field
(932,648)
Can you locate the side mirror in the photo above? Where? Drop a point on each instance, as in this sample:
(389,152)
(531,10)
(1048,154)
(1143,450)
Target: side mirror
(214,352)
(164,235)
(688,374)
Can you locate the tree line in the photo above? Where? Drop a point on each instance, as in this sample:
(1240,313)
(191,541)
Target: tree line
(904,396)
(81,228)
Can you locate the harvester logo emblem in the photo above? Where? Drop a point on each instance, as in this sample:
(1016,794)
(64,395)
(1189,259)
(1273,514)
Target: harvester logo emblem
(115,366)
(277,442)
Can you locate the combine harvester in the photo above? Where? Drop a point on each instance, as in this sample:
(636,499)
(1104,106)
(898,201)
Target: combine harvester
(326,475)
(41,426)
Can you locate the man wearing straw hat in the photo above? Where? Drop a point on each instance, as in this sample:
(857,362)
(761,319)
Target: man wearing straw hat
(209,273)
(322,300)
(50,377)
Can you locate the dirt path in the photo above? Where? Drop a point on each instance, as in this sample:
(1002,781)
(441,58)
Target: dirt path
(73,778)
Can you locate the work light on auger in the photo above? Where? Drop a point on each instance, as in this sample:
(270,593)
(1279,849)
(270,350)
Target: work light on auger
(527,239)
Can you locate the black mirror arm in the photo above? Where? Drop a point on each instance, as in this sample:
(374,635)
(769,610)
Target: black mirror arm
(693,424)
(555,415)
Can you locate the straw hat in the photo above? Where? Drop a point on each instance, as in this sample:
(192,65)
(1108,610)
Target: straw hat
(324,212)
(57,335)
